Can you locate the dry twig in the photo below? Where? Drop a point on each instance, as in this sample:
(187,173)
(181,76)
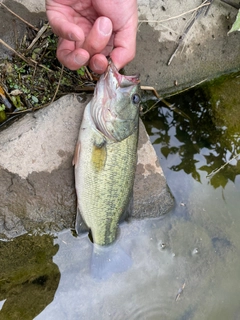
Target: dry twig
(88,73)
(30,61)
(39,34)
(204,4)
(18,54)
(59,81)
(203,8)
(29,24)
(180,291)
(210,175)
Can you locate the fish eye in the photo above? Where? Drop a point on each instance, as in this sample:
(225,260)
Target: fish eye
(136,98)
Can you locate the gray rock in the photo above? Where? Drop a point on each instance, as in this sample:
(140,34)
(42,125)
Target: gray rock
(207,51)
(36,174)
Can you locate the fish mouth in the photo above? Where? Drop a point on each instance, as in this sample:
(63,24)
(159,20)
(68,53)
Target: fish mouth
(122,80)
(111,88)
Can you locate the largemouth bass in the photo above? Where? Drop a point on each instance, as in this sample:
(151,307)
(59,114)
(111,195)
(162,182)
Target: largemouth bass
(105,156)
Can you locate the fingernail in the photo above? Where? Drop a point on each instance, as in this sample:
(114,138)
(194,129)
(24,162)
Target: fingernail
(98,67)
(80,60)
(105,26)
(72,37)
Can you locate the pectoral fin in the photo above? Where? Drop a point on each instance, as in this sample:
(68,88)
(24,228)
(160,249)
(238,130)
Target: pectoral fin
(76,154)
(99,140)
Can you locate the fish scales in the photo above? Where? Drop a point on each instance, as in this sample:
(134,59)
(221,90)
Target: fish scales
(104,176)
(111,182)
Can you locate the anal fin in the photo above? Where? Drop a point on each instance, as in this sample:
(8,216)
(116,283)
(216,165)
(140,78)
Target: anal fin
(80,224)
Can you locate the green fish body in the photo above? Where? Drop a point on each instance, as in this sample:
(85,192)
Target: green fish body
(106,155)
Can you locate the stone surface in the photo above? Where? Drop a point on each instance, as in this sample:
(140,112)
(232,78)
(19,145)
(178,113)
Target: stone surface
(224,97)
(12,28)
(151,195)
(208,50)
(36,174)
(32,5)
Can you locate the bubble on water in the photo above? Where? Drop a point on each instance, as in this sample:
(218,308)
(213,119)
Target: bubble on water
(161,245)
(195,251)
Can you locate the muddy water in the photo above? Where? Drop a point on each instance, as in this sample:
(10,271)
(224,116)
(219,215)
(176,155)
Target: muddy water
(185,265)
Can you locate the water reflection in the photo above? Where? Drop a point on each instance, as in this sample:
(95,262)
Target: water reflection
(201,252)
(186,264)
(146,291)
(197,244)
(206,143)
(28,277)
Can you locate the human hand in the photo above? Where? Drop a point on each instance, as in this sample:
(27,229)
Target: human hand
(90,30)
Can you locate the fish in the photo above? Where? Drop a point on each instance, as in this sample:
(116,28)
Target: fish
(106,156)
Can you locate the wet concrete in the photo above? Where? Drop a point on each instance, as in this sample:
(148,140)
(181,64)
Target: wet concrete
(224,96)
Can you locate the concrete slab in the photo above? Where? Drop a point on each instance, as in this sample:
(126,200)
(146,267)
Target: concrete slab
(207,51)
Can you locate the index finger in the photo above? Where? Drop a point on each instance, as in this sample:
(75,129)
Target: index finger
(63,28)
(124,45)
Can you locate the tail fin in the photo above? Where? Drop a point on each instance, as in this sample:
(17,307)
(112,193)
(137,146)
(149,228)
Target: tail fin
(108,260)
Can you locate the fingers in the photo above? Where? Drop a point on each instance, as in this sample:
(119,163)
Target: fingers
(83,42)
(75,54)
(98,63)
(63,27)
(71,35)
(125,44)
(70,57)
(122,55)
(99,36)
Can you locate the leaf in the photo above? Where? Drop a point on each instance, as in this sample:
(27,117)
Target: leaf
(34,99)
(3,116)
(81,71)
(196,176)
(165,151)
(2,107)
(206,168)
(236,25)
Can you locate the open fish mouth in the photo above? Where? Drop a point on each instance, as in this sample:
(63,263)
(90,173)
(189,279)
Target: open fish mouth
(116,104)
(122,80)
